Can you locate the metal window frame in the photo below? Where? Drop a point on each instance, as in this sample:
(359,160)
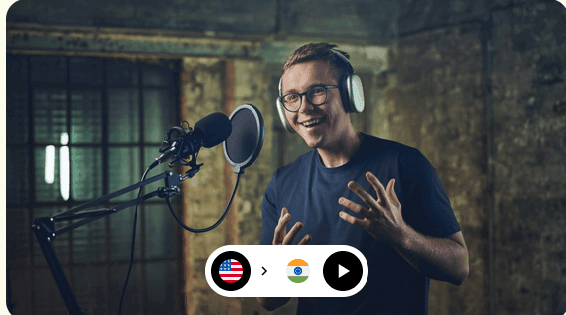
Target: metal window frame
(31,205)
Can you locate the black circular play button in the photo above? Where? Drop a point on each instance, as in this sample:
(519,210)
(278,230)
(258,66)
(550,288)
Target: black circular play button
(343,271)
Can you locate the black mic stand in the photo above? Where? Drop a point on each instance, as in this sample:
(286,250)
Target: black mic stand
(45,231)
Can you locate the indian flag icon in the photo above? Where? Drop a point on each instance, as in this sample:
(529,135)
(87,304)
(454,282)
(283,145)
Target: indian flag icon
(298,270)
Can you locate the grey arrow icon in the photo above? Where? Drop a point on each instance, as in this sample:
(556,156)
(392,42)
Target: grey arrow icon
(264,271)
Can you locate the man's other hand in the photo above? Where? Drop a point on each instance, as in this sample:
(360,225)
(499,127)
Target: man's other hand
(281,237)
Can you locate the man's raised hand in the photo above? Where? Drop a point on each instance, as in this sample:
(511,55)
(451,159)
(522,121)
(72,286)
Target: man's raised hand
(281,237)
(382,218)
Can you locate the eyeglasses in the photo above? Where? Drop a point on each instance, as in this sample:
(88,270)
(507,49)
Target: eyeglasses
(315,94)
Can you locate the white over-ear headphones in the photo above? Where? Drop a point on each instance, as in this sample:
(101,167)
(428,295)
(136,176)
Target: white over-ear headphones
(351,91)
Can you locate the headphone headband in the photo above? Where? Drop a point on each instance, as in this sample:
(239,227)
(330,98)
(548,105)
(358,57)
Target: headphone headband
(345,60)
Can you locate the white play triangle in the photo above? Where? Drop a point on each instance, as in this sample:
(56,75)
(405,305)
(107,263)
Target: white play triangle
(342,271)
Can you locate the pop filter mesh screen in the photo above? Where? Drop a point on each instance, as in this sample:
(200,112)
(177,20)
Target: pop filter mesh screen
(242,142)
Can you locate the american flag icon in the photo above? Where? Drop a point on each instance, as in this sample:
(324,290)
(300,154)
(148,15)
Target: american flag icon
(231,270)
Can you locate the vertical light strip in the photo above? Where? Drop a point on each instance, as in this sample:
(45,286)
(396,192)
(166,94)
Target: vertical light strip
(65,167)
(50,164)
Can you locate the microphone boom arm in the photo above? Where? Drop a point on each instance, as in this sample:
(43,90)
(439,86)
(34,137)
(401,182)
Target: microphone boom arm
(45,232)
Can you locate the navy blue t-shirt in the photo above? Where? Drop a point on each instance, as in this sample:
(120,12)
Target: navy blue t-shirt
(310,192)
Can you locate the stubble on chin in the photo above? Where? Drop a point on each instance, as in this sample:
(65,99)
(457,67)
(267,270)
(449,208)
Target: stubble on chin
(313,142)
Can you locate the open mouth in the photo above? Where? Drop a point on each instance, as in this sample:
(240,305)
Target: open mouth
(313,122)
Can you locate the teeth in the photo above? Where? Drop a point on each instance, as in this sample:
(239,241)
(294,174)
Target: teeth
(312,122)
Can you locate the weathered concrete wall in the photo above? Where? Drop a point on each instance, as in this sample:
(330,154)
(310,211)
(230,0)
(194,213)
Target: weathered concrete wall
(204,194)
(255,17)
(416,16)
(529,96)
(367,20)
(433,101)
(481,92)
(251,86)
(360,19)
(217,85)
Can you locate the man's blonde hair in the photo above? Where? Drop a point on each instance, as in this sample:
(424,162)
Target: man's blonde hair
(320,51)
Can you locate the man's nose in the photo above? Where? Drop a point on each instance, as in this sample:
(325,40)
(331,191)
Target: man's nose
(307,106)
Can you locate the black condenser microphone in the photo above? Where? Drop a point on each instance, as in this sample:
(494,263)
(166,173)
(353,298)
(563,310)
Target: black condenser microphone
(213,129)
(209,132)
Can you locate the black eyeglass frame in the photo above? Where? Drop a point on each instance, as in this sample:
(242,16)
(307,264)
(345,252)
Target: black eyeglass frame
(326,87)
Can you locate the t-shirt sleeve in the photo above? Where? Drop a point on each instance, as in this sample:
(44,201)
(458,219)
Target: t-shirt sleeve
(425,199)
(269,214)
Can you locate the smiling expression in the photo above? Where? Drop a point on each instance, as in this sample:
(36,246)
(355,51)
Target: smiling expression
(320,126)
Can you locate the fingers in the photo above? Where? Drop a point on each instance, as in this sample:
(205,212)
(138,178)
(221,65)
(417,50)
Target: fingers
(279,233)
(306,239)
(364,195)
(353,220)
(395,199)
(355,207)
(379,190)
(281,237)
(390,190)
(292,233)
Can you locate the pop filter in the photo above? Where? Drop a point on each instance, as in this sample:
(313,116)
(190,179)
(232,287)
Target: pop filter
(244,143)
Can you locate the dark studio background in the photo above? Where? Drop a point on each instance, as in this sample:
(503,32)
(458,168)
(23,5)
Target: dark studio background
(478,86)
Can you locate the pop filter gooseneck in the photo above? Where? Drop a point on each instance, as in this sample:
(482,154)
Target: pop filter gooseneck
(244,143)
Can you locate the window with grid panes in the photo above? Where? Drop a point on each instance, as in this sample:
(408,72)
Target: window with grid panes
(79,128)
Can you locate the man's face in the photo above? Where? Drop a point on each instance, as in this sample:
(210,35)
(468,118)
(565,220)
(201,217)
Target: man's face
(334,121)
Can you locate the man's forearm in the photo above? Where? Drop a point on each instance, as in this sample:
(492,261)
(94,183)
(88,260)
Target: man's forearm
(444,259)
(271,303)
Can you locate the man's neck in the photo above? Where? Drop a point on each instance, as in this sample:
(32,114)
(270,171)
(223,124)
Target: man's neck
(342,151)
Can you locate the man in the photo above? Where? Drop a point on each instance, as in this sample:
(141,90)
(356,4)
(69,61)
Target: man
(334,195)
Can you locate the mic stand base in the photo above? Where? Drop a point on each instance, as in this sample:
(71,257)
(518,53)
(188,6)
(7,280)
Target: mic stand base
(44,229)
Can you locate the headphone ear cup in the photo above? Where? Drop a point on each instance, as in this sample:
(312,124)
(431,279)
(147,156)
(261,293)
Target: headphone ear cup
(345,94)
(352,93)
(352,90)
(281,112)
(356,100)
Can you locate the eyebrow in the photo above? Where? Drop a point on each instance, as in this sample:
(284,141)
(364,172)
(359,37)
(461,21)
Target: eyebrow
(310,86)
